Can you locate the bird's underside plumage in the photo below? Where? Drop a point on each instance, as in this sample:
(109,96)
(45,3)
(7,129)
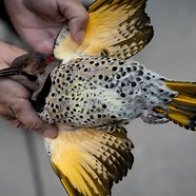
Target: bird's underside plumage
(94,89)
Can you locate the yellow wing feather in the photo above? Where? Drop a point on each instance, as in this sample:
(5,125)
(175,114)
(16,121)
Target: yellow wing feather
(88,161)
(116,28)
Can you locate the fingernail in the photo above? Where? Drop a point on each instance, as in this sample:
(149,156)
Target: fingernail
(51,133)
(80,36)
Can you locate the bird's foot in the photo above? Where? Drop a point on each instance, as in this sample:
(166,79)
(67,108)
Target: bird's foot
(153,118)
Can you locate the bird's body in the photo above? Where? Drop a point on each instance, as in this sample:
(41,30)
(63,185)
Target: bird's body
(96,91)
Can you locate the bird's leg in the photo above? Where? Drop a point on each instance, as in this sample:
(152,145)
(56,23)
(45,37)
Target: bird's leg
(152,117)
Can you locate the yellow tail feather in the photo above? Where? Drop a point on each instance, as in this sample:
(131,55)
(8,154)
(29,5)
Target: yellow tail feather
(185,100)
(88,161)
(182,109)
(185,88)
(116,28)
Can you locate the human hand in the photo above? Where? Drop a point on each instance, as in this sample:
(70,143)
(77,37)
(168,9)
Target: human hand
(14,98)
(39,21)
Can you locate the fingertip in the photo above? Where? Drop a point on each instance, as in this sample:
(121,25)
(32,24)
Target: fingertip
(50,133)
(77,18)
(31,121)
(44,47)
(79,36)
(77,29)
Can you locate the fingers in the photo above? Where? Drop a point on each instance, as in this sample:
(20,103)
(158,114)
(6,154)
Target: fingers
(25,114)
(77,18)
(16,108)
(14,98)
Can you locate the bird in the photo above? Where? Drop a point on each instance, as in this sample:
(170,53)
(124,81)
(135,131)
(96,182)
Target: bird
(91,90)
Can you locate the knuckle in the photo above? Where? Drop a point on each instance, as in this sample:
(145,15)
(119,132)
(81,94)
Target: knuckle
(37,126)
(82,15)
(19,105)
(16,107)
(34,126)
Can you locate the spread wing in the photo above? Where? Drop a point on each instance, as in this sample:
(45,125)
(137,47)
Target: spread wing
(88,161)
(116,28)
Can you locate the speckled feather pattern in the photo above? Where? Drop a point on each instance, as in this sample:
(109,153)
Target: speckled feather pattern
(94,91)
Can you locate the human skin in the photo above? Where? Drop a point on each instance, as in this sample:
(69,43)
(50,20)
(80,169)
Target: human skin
(39,21)
(14,98)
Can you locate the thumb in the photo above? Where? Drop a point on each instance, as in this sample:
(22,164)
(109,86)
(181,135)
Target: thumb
(31,121)
(77,18)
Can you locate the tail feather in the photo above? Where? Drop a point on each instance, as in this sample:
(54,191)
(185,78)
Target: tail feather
(185,101)
(187,112)
(180,117)
(185,88)
(88,161)
(182,109)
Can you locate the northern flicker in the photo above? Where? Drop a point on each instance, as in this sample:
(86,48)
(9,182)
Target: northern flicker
(94,89)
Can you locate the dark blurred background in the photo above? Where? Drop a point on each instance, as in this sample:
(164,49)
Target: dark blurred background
(165,155)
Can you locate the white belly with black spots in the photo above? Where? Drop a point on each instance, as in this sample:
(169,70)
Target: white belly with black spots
(96,91)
